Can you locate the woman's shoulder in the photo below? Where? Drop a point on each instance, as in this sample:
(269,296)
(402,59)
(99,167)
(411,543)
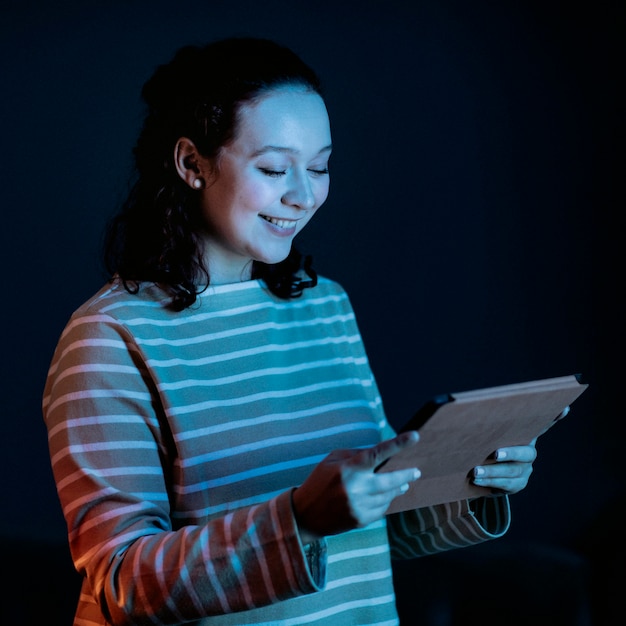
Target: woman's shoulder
(117,300)
(329,285)
(328,295)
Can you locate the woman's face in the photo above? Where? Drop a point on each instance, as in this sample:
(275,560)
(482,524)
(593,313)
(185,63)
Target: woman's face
(268,182)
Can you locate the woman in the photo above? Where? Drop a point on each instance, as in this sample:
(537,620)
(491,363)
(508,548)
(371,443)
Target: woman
(213,422)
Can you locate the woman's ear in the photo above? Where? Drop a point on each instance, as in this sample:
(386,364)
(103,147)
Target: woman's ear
(189,163)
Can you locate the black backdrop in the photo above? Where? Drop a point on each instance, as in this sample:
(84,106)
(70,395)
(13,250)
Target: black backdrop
(472,215)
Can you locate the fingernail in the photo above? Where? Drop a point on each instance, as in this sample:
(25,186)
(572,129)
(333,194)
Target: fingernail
(404,488)
(564,412)
(416,474)
(500,454)
(479,471)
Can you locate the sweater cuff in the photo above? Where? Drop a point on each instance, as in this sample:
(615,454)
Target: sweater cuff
(314,555)
(491,514)
(317,557)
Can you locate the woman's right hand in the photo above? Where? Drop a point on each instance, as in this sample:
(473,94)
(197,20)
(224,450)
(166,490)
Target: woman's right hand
(344,492)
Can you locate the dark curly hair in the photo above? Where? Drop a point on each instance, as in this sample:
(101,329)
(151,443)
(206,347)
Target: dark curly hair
(155,236)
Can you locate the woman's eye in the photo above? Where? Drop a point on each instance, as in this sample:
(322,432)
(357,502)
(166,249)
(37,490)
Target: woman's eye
(273,173)
(319,171)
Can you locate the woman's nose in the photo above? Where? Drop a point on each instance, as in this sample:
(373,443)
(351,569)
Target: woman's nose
(299,193)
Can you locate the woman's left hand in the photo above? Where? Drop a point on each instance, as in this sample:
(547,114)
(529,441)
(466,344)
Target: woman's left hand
(513,466)
(510,472)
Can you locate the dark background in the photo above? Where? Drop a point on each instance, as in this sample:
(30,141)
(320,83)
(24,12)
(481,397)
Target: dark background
(473,216)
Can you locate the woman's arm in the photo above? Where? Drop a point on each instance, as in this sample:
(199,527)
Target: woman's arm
(114,461)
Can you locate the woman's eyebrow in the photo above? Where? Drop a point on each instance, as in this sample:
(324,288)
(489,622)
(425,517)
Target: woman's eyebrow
(286,150)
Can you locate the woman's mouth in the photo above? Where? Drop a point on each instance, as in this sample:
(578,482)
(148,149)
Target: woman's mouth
(286,224)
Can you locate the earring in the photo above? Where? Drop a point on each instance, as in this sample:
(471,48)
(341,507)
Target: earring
(198,183)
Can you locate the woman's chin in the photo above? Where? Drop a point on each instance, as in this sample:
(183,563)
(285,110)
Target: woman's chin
(273,257)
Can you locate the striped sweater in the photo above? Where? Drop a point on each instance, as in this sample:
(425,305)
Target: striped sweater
(176,440)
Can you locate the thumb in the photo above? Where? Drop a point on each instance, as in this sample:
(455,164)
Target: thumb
(371,458)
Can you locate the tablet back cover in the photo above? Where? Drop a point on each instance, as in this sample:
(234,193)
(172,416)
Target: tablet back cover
(462,430)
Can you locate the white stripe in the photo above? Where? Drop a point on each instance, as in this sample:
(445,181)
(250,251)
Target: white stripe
(267,395)
(224,507)
(85,319)
(90,343)
(96,367)
(248,447)
(359,578)
(95,420)
(235,564)
(175,322)
(118,394)
(108,547)
(356,554)
(273,417)
(252,328)
(270,371)
(210,570)
(254,473)
(126,444)
(334,610)
(239,354)
(134,470)
(185,574)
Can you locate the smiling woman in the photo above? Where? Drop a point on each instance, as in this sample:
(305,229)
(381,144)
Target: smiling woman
(213,423)
(205,109)
(264,185)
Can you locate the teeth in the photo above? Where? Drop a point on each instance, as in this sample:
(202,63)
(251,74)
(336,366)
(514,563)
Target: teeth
(279,223)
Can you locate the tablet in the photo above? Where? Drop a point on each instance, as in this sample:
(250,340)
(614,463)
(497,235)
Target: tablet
(459,431)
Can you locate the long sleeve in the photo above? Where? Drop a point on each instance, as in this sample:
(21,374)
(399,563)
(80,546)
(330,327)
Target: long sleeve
(111,450)
(447,526)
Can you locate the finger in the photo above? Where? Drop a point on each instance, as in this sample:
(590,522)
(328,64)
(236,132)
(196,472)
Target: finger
(371,458)
(375,505)
(562,414)
(504,485)
(558,418)
(373,513)
(504,470)
(394,483)
(523,454)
